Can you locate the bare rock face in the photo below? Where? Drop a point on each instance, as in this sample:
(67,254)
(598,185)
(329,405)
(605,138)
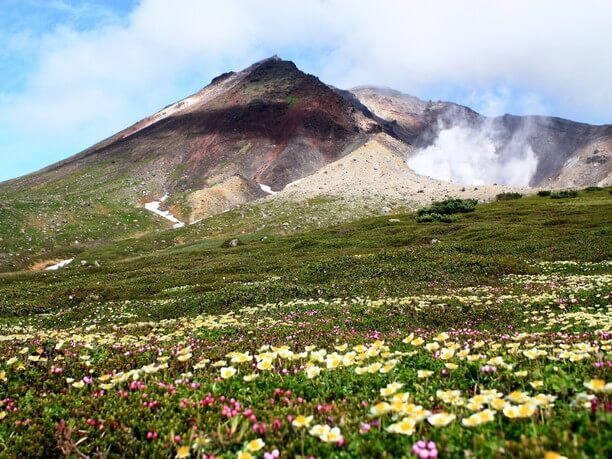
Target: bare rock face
(568,153)
(251,133)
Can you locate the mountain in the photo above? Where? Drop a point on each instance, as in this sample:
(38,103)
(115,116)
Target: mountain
(271,131)
(569,154)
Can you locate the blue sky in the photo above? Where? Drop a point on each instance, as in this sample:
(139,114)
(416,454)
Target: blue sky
(75,72)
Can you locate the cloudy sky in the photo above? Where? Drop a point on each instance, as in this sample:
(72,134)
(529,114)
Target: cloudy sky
(74,72)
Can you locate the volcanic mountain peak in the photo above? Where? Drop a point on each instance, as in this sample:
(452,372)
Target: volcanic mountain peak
(250,133)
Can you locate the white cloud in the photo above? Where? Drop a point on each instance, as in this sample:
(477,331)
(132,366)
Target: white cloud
(88,84)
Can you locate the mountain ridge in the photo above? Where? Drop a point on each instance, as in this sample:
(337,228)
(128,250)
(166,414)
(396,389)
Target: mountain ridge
(249,134)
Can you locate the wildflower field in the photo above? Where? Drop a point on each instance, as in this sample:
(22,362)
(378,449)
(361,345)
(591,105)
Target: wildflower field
(362,340)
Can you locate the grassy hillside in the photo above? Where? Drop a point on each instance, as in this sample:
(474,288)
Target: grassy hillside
(68,215)
(488,337)
(372,257)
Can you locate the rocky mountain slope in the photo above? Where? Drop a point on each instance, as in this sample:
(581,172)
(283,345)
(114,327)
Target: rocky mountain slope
(271,131)
(569,154)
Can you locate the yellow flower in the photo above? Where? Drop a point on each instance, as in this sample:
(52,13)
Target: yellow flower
(474,405)
(333,361)
(3,377)
(431,347)
(333,436)
(318,430)
(424,373)
(391,389)
(302,421)
(255,445)
(520,374)
(441,419)
(553,455)
(373,368)
(543,399)
(417,341)
(380,408)
(239,357)
(388,366)
(2,414)
(404,427)
(228,372)
(536,384)
(184,358)
(326,434)
(520,411)
(313,372)
(598,385)
(498,404)
(11,361)
(251,377)
(265,364)
(183,452)
(518,397)
(446,353)
(479,418)
(451,366)
(244,455)
(78,384)
(451,396)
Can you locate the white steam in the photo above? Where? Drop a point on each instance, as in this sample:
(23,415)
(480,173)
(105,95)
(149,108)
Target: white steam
(472,156)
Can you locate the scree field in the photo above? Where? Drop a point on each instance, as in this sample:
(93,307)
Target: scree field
(487,336)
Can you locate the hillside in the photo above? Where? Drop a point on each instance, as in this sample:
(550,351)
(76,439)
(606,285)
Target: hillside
(353,340)
(271,139)
(569,154)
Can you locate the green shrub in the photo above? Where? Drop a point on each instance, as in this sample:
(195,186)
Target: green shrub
(563,194)
(449,207)
(509,196)
(544,193)
(429,218)
(591,189)
(445,211)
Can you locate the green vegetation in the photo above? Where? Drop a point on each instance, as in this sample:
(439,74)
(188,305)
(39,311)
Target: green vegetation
(292,100)
(445,211)
(494,338)
(508,196)
(544,193)
(245,148)
(564,194)
(355,340)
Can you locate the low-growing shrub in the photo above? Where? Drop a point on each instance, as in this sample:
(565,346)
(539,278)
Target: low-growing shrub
(591,189)
(445,211)
(429,218)
(563,194)
(509,196)
(544,193)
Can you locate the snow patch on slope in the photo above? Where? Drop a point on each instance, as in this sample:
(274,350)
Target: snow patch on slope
(267,189)
(153,206)
(59,265)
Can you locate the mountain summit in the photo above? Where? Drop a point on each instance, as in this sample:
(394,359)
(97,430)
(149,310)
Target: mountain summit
(271,127)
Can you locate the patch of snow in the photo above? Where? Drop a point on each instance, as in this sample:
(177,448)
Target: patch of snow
(153,206)
(59,265)
(267,189)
